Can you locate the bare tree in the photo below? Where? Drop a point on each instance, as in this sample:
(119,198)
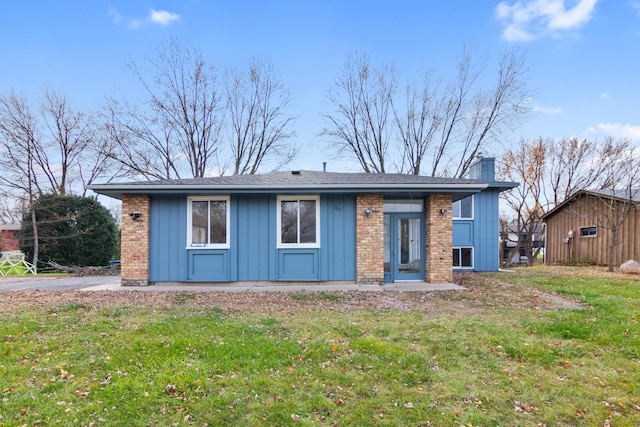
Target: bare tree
(184,110)
(439,132)
(45,150)
(362,124)
(140,141)
(570,169)
(19,131)
(527,166)
(418,124)
(68,135)
(259,124)
(490,112)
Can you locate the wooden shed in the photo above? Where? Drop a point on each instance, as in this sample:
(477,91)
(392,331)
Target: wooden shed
(580,229)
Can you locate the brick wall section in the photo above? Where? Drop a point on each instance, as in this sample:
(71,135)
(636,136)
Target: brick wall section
(369,239)
(134,246)
(439,239)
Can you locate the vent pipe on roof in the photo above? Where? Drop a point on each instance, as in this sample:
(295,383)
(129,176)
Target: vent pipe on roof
(295,172)
(324,166)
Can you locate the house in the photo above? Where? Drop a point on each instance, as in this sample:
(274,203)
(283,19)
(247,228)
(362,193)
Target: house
(9,237)
(308,226)
(579,229)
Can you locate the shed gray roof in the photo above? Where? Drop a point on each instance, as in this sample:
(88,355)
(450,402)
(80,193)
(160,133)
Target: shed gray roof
(632,195)
(302,181)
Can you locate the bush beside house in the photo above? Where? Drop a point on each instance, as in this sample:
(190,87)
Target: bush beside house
(72,230)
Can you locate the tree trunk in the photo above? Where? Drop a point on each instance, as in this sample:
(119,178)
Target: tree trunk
(613,247)
(34,227)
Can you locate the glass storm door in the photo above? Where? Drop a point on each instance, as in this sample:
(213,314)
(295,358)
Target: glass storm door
(403,247)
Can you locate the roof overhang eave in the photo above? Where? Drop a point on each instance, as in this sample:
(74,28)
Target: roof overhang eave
(114,190)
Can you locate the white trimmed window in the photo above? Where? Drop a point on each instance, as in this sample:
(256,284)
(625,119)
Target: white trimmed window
(208,222)
(298,221)
(463,257)
(463,208)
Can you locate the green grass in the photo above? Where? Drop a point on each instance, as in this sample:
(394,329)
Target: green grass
(79,364)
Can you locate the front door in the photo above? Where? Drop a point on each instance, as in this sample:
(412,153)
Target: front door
(403,247)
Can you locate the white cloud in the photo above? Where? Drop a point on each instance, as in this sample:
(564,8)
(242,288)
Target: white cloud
(160,17)
(115,16)
(618,130)
(546,110)
(134,23)
(163,17)
(605,96)
(525,21)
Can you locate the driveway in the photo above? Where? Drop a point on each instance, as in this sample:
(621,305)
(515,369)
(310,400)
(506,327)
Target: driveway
(10,283)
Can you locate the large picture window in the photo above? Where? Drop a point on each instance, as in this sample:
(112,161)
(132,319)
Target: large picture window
(463,257)
(463,208)
(208,222)
(298,221)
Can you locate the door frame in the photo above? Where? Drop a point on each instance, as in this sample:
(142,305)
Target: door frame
(394,274)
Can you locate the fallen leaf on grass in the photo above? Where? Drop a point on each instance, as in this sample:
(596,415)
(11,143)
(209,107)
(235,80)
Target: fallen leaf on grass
(107,380)
(82,393)
(171,389)
(408,405)
(523,408)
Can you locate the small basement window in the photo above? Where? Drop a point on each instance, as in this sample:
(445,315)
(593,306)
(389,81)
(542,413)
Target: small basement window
(588,231)
(463,257)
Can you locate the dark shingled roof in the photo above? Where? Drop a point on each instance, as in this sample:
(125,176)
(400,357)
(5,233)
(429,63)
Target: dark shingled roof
(300,180)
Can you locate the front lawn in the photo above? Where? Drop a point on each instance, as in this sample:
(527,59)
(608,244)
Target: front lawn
(490,356)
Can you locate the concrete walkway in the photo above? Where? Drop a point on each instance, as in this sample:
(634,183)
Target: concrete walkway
(112,283)
(270,287)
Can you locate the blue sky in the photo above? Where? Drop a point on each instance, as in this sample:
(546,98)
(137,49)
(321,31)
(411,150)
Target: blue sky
(583,55)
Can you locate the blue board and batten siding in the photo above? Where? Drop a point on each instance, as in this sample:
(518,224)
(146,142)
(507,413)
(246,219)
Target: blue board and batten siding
(253,255)
(481,233)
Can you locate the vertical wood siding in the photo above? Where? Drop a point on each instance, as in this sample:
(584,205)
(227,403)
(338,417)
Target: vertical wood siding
(168,239)
(486,231)
(589,248)
(253,255)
